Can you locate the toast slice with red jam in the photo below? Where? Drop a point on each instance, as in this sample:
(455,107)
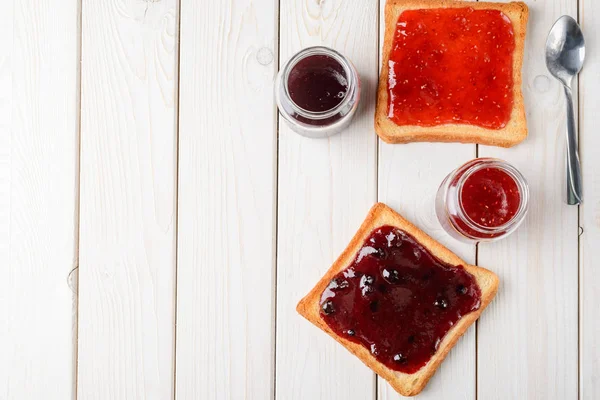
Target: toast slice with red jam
(451,72)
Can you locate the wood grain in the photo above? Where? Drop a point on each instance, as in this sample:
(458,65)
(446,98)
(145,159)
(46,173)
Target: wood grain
(326,187)
(235,339)
(226,245)
(409,176)
(39,61)
(128,199)
(589,267)
(530,332)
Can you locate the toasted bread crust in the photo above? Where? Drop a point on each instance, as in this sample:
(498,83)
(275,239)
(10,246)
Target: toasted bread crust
(516,129)
(405,384)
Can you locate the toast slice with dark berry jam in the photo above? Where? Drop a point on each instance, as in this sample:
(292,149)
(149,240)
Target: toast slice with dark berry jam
(398,300)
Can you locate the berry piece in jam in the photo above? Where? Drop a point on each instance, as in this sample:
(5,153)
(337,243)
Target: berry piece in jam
(391,275)
(441,303)
(338,284)
(389,308)
(327,307)
(399,358)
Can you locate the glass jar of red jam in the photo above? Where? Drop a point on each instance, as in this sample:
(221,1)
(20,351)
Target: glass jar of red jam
(317,92)
(484,200)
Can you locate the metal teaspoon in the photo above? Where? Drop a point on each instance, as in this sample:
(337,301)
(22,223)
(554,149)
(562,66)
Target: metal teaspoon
(565,52)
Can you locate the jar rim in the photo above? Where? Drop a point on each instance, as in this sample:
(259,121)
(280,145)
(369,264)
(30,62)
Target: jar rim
(519,180)
(319,50)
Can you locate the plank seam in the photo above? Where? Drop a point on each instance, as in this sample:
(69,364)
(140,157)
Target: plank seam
(177,86)
(276,210)
(378,58)
(477,320)
(78,201)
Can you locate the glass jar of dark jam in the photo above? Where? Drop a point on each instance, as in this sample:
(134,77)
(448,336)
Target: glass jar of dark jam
(317,92)
(484,200)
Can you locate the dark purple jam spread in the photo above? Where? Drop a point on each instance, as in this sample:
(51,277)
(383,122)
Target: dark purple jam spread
(398,300)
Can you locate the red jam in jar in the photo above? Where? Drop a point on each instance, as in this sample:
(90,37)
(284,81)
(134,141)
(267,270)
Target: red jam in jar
(451,65)
(483,200)
(490,197)
(398,300)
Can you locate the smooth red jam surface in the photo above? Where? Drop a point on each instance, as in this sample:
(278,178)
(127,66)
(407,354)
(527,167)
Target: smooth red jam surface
(398,300)
(490,197)
(317,83)
(452,65)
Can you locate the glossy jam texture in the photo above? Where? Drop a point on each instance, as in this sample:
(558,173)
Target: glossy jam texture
(317,83)
(490,197)
(398,300)
(452,65)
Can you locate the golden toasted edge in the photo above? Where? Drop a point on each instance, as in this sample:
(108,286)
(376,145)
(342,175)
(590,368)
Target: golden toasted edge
(405,384)
(516,129)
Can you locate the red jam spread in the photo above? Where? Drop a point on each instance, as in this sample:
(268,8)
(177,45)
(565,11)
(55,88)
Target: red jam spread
(451,65)
(398,300)
(317,83)
(490,197)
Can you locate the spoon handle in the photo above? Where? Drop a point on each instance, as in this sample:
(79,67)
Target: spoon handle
(574,185)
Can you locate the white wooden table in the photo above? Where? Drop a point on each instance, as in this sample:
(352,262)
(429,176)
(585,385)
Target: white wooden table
(158,222)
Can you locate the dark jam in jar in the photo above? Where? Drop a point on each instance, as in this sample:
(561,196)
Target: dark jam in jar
(451,65)
(317,83)
(485,199)
(317,92)
(398,300)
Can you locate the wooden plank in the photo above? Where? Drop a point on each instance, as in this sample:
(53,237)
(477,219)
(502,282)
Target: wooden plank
(227,167)
(326,187)
(527,340)
(128,200)
(39,59)
(409,176)
(412,193)
(589,278)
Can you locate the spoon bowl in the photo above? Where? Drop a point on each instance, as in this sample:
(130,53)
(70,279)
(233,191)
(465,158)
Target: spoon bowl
(565,49)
